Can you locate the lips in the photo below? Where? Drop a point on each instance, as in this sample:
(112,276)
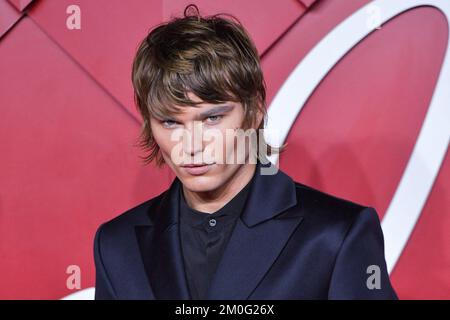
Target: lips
(194,165)
(197,169)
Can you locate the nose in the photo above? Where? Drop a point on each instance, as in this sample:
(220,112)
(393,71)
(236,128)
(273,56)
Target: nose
(193,138)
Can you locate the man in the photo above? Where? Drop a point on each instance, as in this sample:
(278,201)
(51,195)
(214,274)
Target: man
(231,226)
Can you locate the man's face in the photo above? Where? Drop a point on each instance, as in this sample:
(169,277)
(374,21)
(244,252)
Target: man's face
(203,134)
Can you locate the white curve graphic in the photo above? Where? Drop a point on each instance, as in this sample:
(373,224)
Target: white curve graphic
(85,294)
(432,142)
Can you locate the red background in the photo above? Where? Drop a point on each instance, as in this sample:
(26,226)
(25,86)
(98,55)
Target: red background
(68,125)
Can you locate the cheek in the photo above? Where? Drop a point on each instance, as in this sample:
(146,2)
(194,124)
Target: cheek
(162,139)
(229,147)
(227,142)
(230,141)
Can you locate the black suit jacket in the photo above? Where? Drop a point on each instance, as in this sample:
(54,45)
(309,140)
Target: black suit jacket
(291,242)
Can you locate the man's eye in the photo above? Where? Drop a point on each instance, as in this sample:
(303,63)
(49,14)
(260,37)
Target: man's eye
(213,119)
(168,123)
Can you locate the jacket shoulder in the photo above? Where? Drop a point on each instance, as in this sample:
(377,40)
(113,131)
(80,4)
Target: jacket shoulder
(138,215)
(330,219)
(326,208)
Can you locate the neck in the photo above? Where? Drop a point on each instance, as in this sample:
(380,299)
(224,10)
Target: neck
(211,201)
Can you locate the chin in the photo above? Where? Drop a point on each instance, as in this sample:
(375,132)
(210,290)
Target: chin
(200,183)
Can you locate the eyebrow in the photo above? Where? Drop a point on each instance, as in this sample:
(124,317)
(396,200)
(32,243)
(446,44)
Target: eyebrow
(207,113)
(215,110)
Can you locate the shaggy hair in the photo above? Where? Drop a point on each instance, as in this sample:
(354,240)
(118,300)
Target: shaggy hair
(212,57)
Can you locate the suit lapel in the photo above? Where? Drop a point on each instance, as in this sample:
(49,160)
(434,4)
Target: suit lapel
(258,237)
(161,249)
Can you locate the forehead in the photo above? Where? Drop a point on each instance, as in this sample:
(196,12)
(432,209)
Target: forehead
(203,106)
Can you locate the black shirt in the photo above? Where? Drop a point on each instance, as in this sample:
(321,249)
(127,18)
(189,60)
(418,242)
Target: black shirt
(204,237)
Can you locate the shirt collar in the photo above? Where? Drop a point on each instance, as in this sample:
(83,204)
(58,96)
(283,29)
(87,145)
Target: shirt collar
(228,213)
